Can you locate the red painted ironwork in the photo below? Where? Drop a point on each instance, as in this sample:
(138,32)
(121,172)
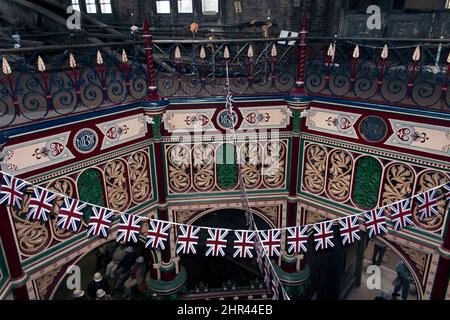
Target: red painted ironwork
(301,58)
(151,74)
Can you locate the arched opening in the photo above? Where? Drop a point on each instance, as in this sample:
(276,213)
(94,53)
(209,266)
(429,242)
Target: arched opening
(216,271)
(380,253)
(97,260)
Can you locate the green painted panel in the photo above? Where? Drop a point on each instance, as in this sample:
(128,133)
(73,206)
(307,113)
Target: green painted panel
(90,189)
(367,182)
(227,174)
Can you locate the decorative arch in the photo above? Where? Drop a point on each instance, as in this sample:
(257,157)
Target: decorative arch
(94,247)
(407,262)
(208,211)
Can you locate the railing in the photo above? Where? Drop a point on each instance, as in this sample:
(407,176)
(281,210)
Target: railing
(388,71)
(38,84)
(197,68)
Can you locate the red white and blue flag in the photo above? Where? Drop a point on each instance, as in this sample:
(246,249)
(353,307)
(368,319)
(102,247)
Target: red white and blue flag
(100,222)
(11,191)
(375,222)
(447,191)
(428,204)
(129,228)
(323,235)
(271,241)
(216,242)
(349,228)
(188,239)
(41,204)
(401,214)
(244,244)
(297,239)
(70,214)
(157,235)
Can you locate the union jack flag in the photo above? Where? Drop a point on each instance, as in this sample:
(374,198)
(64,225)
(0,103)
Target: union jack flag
(70,214)
(41,203)
(428,205)
(349,229)
(323,235)
(375,222)
(216,242)
(297,239)
(447,191)
(11,191)
(271,241)
(188,239)
(99,222)
(129,228)
(244,244)
(401,214)
(158,233)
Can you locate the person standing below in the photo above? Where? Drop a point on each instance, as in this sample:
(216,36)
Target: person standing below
(137,275)
(123,268)
(118,255)
(379,248)
(102,295)
(79,295)
(97,283)
(403,281)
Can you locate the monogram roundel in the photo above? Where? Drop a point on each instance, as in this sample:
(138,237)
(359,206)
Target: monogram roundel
(85,140)
(373,129)
(224,120)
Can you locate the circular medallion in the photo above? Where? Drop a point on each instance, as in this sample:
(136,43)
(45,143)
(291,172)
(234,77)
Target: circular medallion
(85,140)
(223,119)
(373,129)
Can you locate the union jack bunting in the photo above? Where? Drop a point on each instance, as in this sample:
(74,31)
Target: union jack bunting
(428,204)
(275,286)
(297,239)
(129,228)
(99,222)
(11,191)
(70,214)
(375,222)
(259,252)
(41,203)
(401,214)
(187,240)
(323,235)
(216,242)
(271,241)
(349,229)
(266,271)
(244,244)
(158,233)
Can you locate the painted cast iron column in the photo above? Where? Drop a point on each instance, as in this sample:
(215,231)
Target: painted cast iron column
(171,277)
(298,102)
(152,93)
